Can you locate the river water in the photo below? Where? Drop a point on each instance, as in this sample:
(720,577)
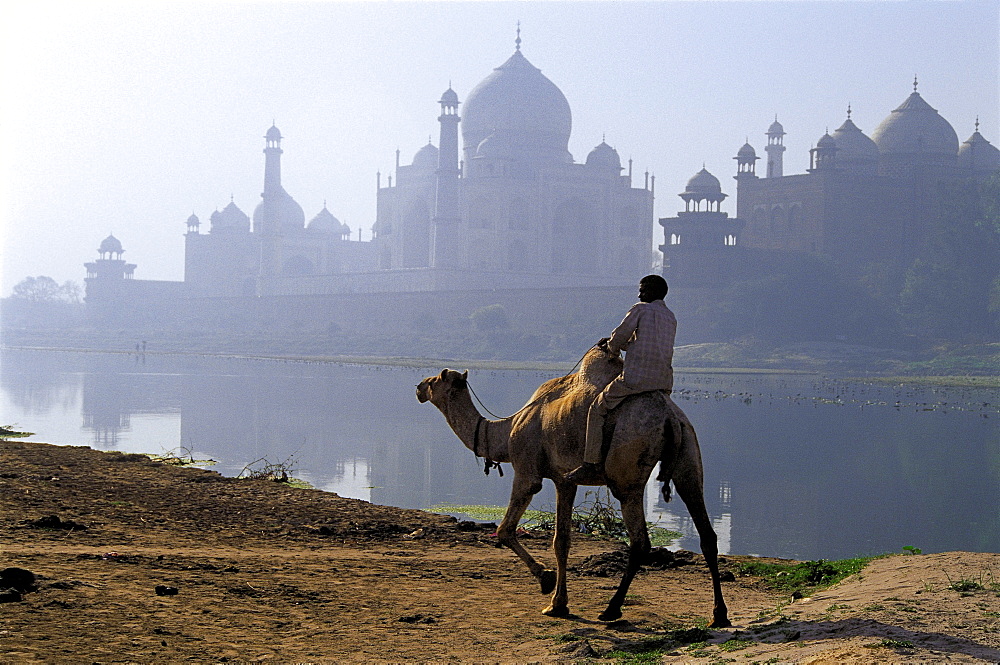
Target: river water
(796,466)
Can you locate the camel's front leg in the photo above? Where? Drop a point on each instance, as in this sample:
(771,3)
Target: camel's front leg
(635,522)
(565,496)
(520,496)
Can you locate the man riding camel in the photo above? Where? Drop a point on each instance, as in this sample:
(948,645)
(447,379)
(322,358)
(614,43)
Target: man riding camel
(647,336)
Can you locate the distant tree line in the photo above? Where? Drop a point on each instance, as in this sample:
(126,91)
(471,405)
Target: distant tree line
(43,289)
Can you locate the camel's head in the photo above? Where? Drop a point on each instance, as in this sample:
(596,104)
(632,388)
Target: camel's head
(438,389)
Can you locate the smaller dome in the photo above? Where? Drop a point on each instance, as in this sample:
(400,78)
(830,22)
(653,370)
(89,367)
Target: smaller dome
(345,230)
(747,152)
(703,182)
(775,128)
(110,245)
(604,157)
(273,134)
(826,141)
(193,220)
(449,96)
(978,155)
(855,151)
(426,157)
(232,217)
(324,222)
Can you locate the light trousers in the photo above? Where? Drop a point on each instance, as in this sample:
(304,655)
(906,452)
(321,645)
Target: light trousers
(612,395)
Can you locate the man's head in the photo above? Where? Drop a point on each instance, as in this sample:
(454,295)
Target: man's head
(652,287)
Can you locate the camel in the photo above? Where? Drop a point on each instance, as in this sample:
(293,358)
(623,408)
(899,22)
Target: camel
(545,439)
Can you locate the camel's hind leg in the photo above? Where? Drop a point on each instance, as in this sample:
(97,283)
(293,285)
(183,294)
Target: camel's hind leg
(638,535)
(520,496)
(565,495)
(690,487)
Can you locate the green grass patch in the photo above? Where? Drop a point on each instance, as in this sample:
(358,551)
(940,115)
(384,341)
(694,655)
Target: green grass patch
(495,513)
(805,577)
(596,515)
(8,432)
(965,585)
(736,644)
(622,657)
(890,644)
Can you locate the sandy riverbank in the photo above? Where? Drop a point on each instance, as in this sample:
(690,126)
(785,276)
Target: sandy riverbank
(265,572)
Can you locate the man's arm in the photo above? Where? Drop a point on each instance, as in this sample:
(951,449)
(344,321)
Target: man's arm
(622,335)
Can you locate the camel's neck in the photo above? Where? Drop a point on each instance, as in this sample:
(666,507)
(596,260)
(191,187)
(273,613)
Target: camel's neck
(486,438)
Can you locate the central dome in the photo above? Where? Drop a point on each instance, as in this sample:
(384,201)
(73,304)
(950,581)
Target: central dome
(519,106)
(916,128)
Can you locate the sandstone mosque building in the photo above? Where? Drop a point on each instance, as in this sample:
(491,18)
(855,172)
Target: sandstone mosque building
(863,201)
(507,216)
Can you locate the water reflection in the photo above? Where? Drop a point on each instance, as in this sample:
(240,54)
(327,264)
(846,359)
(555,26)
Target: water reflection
(796,466)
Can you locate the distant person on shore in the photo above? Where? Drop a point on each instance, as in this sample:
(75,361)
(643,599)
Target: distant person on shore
(647,337)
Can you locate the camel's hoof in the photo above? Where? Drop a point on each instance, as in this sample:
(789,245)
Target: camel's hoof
(547,580)
(610,615)
(553,611)
(720,622)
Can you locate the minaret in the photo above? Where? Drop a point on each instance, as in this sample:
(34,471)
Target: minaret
(775,148)
(272,162)
(444,243)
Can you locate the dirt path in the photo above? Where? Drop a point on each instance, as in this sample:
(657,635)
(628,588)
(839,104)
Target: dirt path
(257,571)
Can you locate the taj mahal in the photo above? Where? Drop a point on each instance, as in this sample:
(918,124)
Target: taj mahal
(507,211)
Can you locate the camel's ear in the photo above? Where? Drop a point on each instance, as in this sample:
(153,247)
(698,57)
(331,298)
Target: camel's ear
(462,380)
(465,375)
(444,372)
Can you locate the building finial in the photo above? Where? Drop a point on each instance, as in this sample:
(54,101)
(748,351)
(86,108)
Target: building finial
(517,42)
(848,110)
(977,123)
(914,83)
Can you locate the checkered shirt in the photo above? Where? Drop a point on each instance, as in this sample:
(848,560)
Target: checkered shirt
(646,334)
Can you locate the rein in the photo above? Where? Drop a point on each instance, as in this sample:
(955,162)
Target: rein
(488,463)
(483,406)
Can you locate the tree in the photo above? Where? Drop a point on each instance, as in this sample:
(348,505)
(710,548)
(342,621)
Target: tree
(45,289)
(950,290)
(491,319)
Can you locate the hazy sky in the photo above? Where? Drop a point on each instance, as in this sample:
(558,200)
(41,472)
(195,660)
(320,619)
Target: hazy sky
(125,118)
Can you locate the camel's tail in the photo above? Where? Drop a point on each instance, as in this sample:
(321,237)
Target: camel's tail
(673,436)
